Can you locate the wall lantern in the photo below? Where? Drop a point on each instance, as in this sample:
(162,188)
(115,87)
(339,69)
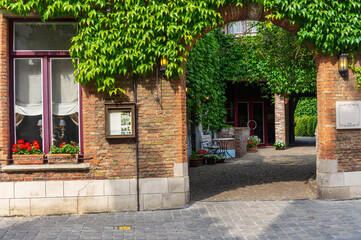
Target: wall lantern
(343,65)
(108,8)
(163,66)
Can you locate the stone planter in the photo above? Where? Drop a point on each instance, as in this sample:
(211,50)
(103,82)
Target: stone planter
(28,159)
(64,158)
(252,149)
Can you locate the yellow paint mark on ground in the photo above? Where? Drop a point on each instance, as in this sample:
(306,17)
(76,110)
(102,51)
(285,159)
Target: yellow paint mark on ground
(124,228)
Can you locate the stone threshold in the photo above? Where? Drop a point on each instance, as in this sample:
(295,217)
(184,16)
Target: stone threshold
(46,167)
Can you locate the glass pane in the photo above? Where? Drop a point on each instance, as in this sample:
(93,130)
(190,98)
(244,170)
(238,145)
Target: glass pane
(258,117)
(242,114)
(28,99)
(36,36)
(120,122)
(65,113)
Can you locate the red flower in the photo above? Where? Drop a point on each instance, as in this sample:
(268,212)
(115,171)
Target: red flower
(61,145)
(29,149)
(36,147)
(15,150)
(72,145)
(27,145)
(15,145)
(35,142)
(21,146)
(20,141)
(250,142)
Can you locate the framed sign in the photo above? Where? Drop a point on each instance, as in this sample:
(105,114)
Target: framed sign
(119,120)
(348,115)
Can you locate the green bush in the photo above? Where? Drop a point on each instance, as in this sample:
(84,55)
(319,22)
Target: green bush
(306,107)
(305,126)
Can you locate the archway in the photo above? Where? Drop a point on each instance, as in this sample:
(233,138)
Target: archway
(337,159)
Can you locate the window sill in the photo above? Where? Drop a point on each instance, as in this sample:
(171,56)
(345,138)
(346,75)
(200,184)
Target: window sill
(46,168)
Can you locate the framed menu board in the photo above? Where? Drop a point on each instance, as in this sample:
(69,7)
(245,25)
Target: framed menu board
(119,120)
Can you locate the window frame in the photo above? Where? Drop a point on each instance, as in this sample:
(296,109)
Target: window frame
(45,57)
(114,106)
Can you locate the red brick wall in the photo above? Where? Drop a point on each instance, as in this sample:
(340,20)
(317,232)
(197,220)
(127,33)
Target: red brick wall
(4,89)
(343,145)
(162,129)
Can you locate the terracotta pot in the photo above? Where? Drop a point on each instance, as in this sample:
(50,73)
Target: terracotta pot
(27,159)
(63,158)
(252,149)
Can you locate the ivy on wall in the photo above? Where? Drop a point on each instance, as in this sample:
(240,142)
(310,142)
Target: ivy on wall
(132,37)
(206,87)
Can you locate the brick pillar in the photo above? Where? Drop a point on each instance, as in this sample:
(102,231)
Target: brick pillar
(280,119)
(339,155)
(240,144)
(4,89)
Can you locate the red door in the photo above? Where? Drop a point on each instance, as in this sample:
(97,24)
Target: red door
(251,113)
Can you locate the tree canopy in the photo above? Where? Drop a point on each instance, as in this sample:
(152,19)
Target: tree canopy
(134,34)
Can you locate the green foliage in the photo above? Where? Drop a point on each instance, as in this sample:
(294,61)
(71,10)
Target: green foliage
(206,88)
(279,145)
(71,148)
(305,126)
(273,56)
(135,34)
(306,107)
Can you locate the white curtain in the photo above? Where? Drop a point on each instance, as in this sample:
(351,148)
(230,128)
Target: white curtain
(28,85)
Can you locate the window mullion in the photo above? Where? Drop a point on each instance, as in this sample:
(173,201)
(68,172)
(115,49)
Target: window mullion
(47,138)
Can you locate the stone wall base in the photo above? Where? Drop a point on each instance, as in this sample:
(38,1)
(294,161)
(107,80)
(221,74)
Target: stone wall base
(91,196)
(337,185)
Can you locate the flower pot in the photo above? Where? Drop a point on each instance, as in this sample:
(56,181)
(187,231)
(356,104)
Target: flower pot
(221,160)
(280,148)
(28,159)
(196,162)
(252,149)
(63,158)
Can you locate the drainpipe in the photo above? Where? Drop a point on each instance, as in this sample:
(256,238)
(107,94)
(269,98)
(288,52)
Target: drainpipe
(136,137)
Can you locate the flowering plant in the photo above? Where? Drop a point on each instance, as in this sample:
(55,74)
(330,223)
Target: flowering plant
(22,147)
(279,145)
(71,148)
(203,152)
(253,141)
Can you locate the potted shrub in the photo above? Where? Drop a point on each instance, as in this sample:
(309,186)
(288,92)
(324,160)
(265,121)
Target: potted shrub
(65,153)
(279,145)
(25,153)
(252,143)
(196,159)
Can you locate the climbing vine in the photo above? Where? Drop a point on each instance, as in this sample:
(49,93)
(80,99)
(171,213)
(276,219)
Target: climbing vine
(132,36)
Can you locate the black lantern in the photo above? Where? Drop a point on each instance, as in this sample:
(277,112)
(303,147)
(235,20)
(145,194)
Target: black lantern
(108,8)
(163,65)
(343,65)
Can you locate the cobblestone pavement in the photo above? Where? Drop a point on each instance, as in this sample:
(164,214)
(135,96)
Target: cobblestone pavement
(265,175)
(297,219)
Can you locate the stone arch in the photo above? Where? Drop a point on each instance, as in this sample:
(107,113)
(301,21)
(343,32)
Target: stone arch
(338,151)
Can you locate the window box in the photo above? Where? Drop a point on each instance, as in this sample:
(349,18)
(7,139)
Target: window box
(28,159)
(63,158)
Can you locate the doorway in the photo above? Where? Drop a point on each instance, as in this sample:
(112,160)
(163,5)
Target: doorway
(251,113)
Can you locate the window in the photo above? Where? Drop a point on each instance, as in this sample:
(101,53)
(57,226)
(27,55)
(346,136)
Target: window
(45,96)
(243,28)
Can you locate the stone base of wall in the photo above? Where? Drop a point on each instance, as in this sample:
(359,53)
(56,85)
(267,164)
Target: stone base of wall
(337,185)
(92,196)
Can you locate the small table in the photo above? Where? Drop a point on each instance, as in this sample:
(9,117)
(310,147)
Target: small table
(223,143)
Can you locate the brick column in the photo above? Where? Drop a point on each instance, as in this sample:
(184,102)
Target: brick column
(280,119)
(339,155)
(241,135)
(4,89)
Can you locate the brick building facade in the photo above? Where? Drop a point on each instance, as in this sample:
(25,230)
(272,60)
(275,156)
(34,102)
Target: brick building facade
(152,173)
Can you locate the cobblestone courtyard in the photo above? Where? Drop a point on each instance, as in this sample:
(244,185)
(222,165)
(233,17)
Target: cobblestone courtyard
(265,175)
(299,219)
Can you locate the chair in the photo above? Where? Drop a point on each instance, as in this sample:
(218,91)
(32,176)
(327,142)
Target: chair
(207,144)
